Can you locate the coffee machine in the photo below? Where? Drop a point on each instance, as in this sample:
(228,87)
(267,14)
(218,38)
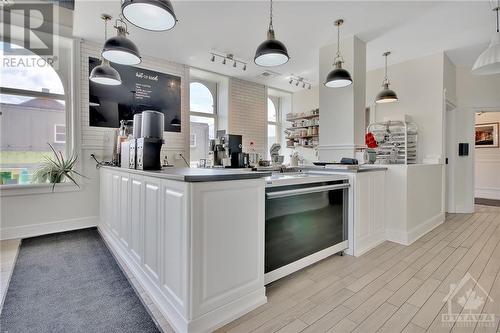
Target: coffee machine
(226,151)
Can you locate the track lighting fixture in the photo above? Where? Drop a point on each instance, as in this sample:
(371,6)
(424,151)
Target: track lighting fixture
(104,73)
(226,57)
(299,81)
(338,77)
(155,15)
(271,52)
(120,49)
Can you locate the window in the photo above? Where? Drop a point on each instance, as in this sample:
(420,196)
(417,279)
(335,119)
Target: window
(203,118)
(59,133)
(33,105)
(273,121)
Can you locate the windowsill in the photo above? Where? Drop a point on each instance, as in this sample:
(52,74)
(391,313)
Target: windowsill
(28,189)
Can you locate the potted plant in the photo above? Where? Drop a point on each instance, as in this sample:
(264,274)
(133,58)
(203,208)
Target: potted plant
(56,169)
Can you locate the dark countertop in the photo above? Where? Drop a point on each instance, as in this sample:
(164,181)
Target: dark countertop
(347,168)
(197,174)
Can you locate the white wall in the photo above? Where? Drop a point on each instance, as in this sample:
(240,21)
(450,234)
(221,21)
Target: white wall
(303,101)
(419,86)
(487,164)
(474,93)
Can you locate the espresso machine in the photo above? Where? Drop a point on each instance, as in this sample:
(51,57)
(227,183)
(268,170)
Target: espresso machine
(226,151)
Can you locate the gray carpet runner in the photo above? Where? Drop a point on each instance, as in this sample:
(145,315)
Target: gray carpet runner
(70,282)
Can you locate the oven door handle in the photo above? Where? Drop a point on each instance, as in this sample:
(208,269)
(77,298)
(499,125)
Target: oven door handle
(289,193)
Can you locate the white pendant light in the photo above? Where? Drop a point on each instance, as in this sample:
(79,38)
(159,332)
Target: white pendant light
(104,73)
(155,15)
(489,61)
(271,52)
(338,77)
(119,49)
(386,95)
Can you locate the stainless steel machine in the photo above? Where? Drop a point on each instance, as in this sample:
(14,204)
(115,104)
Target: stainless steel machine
(226,151)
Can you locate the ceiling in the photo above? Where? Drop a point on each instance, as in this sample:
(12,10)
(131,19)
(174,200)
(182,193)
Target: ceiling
(410,29)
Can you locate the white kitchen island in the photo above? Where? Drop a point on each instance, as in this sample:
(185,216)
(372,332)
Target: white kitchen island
(193,238)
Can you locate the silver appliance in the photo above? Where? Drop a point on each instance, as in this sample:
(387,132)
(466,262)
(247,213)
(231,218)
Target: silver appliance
(136,132)
(306,221)
(148,145)
(152,124)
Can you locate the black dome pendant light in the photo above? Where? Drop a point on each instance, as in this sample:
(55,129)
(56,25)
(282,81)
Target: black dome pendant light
(104,73)
(154,15)
(271,52)
(338,77)
(120,49)
(386,95)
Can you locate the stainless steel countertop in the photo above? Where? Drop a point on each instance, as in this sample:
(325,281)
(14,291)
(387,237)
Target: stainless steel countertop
(347,168)
(197,174)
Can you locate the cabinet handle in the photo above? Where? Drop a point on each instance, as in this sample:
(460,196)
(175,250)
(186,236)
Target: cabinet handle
(289,193)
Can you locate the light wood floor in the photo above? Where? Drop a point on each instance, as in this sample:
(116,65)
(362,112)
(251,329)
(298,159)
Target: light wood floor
(393,288)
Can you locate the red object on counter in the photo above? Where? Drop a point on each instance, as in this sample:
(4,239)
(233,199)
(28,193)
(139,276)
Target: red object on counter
(370,140)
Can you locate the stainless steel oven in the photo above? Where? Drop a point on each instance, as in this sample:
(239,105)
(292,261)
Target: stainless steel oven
(305,222)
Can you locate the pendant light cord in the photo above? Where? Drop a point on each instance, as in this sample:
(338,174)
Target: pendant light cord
(338,57)
(385,77)
(496,9)
(271,28)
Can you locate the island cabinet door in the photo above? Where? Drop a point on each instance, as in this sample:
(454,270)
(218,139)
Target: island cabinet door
(152,220)
(105,195)
(227,245)
(124,222)
(174,242)
(114,220)
(137,219)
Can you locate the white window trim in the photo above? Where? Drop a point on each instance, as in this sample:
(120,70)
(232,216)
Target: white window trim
(71,97)
(277,122)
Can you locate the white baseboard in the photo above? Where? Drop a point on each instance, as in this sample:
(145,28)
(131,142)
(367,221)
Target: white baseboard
(487,193)
(39,229)
(407,238)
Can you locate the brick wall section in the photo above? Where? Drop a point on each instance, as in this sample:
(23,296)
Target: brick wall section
(248,113)
(100,138)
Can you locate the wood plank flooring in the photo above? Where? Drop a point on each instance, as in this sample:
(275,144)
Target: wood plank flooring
(394,288)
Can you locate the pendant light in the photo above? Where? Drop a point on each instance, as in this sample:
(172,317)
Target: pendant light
(175,122)
(489,61)
(271,52)
(104,73)
(155,15)
(386,95)
(120,49)
(338,77)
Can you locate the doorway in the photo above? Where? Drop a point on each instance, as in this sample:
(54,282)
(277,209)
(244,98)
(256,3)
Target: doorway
(487,158)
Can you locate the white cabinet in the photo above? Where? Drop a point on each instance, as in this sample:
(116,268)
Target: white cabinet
(196,248)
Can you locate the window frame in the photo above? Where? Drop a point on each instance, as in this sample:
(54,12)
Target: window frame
(59,133)
(276,100)
(70,79)
(214,92)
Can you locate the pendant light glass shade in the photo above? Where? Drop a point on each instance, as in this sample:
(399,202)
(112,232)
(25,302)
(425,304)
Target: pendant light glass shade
(105,74)
(338,77)
(386,95)
(175,122)
(119,49)
(155,15)
(271,52)
(489,61)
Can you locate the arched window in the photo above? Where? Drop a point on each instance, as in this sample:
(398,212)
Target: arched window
(273,123)
(33,105)
(203,118)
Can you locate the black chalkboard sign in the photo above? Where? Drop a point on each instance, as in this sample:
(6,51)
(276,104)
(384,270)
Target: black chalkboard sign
(141,90)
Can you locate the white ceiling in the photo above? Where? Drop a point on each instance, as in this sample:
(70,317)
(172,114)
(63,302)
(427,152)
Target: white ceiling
(410,29)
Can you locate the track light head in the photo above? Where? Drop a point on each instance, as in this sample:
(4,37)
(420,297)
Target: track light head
(234,64)
(245,67)
(224,61)
(212,59)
